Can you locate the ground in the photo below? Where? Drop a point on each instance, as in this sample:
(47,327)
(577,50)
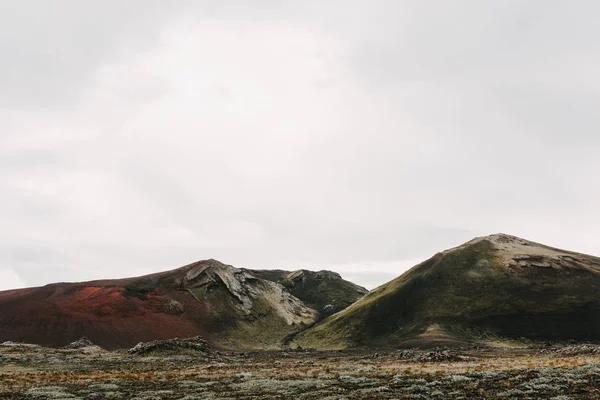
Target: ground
(31,372)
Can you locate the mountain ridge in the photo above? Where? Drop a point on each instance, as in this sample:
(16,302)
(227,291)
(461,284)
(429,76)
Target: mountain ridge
(311,286)
(231,307)
(492,287)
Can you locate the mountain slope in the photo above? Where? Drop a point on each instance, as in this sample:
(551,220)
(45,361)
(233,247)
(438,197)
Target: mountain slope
(325,291)
(496,286)
(229,307)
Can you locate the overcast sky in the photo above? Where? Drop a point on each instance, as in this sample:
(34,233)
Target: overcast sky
(358,136)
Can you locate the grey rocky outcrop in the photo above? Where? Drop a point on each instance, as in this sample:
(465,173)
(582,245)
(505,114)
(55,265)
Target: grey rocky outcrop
(195,343)
(80,343)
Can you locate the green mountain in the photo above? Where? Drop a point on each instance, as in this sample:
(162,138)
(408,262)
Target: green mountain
(491,288)
(325,291)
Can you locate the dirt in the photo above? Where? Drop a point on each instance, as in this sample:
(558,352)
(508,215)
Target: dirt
(225,305)
(34,372)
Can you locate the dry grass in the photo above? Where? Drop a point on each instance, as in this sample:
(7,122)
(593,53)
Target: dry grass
(37,373)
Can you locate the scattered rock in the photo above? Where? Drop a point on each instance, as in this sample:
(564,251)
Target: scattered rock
(195,343)
(9,343)
(437,355)
(80,344)
(576,350)
(406,355)
(18,344)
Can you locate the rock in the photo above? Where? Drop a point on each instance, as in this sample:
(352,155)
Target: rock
(172,307)
(406,355)
(81,343)
(10,343)
(329,309)
(439,355)
(576,350)
(246,291)
(195,343)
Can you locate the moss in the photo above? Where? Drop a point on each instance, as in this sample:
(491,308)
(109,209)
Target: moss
(471,293)
(234,329)
(316,289)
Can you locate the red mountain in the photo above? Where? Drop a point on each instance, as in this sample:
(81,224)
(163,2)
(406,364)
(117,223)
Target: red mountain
(229,307)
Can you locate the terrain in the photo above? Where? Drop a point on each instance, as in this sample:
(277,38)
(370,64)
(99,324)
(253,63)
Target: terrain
(498,317)
(231,308)
(325,291)
(32,372)
(498,288)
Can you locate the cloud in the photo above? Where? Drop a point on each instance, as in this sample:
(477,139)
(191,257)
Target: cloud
(49,49)
(9,279)
(351,135)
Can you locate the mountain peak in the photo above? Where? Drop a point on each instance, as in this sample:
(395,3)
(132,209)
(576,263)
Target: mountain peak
(510,246)
(498,285)
(503,238)
(228,306)
(496,238)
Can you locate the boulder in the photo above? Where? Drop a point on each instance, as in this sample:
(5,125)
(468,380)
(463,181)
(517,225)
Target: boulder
(195,344)
(80,343)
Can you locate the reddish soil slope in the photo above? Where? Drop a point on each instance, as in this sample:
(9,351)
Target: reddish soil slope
(197,299)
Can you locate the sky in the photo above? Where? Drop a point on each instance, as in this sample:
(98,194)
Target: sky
(360,136)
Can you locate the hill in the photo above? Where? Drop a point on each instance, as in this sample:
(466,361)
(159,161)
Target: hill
(325,291)
(229,307)
(494,287)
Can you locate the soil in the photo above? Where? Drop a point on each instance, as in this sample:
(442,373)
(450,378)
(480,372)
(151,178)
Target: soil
(34,372)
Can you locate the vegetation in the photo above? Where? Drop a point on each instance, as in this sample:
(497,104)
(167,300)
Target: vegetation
(325,291)
(469,294)
(33,372)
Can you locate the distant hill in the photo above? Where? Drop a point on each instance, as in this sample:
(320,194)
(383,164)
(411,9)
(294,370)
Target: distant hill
(325,291)
(491,288)
(229,307)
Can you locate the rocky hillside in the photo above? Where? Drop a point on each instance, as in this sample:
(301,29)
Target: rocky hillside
(325,291)
(491,288)
(229,307)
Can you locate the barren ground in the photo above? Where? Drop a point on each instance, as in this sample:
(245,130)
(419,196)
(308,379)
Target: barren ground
(32,372)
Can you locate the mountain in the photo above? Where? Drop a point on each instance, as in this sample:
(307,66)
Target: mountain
(325,291)
(229,307)
(491,288)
